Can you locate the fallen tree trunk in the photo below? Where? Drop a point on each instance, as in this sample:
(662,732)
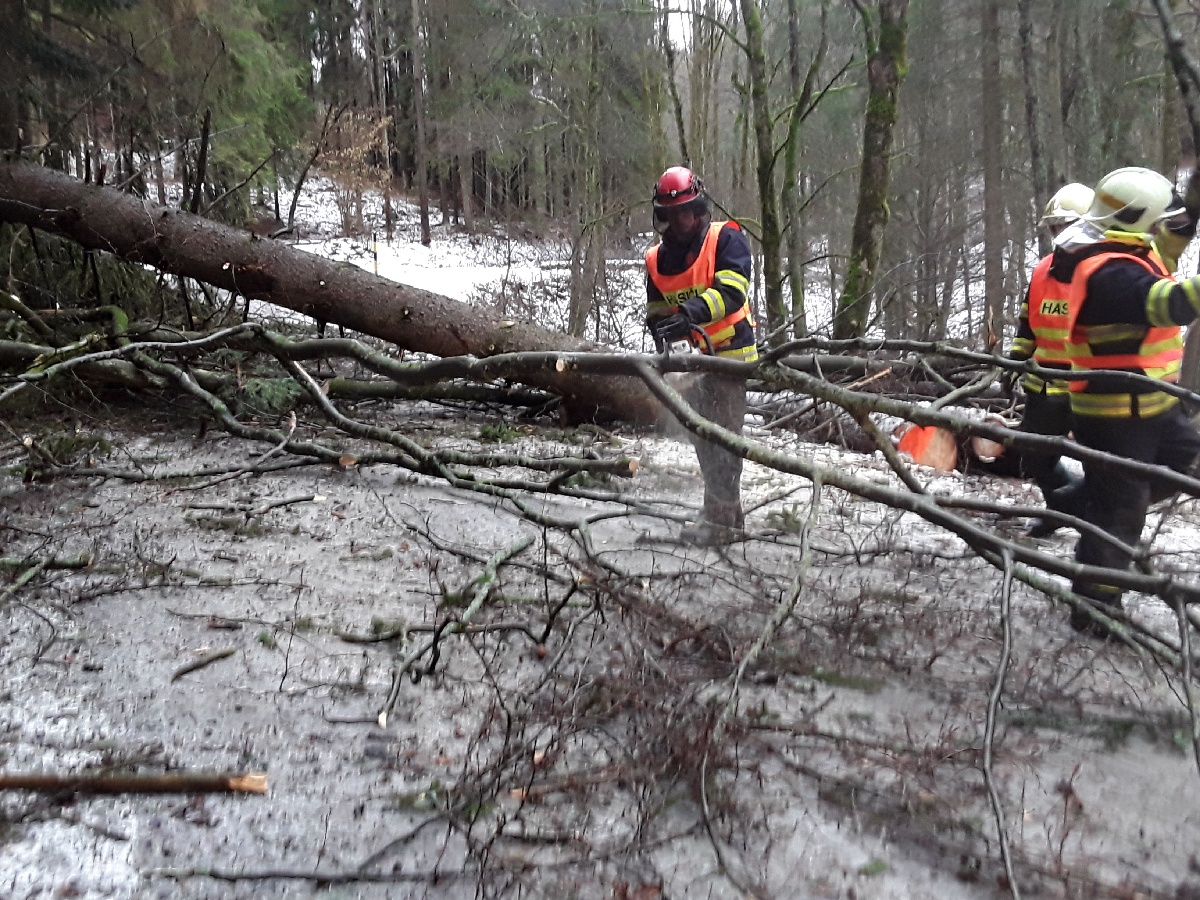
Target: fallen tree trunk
(232,259)
(171,783)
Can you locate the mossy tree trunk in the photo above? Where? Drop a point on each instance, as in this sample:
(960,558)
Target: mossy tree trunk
(802,93)
(885,29)
(992,134)
(770,234)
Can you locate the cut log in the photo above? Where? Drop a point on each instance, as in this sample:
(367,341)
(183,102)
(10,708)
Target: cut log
(232,259)
(928,446)
(171,783)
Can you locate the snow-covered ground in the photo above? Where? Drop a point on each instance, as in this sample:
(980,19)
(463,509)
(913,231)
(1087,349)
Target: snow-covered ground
(856,771)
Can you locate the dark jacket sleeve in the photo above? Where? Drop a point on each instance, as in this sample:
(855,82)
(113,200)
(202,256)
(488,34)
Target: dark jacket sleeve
(1025,342)
(1122,292)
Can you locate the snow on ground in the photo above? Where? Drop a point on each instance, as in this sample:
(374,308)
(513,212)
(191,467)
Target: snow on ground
(858,776)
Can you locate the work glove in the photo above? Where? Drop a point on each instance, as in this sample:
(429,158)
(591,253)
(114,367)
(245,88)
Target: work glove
(674,327)
(652,327)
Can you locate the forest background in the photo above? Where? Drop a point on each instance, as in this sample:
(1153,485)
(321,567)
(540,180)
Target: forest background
(889,160)
(892,157)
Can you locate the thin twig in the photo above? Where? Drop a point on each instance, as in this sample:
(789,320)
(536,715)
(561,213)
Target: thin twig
(989,733)
(201,662)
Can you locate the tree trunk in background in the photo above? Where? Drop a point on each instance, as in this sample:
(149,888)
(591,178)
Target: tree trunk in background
(419,113)
(993,194)
(1037,161)
(587,256)
(769,233)
(466,187)
(802,89)
(181,244)
(13,48)
(885,28)
(685,157)
(380,92)
(1189,374)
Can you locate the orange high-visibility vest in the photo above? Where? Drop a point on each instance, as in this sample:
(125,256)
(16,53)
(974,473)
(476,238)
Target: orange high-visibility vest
(1048,307)
(694,281)
(1159,354)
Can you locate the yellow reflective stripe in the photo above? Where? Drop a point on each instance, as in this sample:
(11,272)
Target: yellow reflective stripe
(1158,309)
(1024,313)
(715,301)
(656,308)
(1175,342)
(1111,334)
(720,337)
(1053,335)
(1191,287)
(1035,385)
(1022,348)
(1165,373)
(735,280)
(745,354)
(1121,405)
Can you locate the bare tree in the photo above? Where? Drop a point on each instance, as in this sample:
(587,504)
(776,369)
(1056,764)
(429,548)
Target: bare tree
(885,35)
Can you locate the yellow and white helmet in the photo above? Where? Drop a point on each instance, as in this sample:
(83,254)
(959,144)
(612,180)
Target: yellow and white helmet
(1068,203)
(1133,200)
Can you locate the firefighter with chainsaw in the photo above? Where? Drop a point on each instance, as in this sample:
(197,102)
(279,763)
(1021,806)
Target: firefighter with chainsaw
(1124,314)
(697,280)
(1042,335)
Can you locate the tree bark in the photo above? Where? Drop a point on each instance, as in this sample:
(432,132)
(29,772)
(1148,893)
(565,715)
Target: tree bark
(232,259)
(993,193)
(886,30)
(1037,158)
(770,236)
(419,113)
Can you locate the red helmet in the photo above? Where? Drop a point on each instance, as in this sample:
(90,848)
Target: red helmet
(677,186)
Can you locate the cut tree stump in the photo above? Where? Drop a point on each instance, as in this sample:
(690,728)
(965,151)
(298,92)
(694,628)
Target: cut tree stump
(928,445)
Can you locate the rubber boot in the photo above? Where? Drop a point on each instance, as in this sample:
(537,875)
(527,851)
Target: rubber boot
(1066,499)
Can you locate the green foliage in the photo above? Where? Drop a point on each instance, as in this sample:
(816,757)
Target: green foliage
(790,518)
(63,446)
(873,868)
(269,396)
(498,433)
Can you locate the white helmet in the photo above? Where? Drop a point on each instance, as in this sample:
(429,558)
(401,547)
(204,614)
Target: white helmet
(1133,200)
(1068,203)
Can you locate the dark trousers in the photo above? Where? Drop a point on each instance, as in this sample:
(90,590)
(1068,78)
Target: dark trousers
(1118,501)
(722,401)
(1048,414)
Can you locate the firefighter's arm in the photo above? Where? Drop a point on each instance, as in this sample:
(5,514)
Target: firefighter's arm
(1025,342)
(1171,302)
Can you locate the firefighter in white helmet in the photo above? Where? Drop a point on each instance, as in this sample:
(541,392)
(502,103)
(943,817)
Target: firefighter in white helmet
(1124,313)
(1041,336)
(696,291)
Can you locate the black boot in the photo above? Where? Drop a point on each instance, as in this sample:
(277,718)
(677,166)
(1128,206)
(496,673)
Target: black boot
(1067,499)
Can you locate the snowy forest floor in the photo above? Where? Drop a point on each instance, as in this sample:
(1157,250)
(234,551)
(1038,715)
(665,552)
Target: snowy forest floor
(587,734)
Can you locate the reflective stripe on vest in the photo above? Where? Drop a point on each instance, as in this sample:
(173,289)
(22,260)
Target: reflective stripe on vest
(1159,355)
(699,277)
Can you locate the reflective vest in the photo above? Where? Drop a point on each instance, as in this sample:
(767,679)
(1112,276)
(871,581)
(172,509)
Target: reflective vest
(697,278)
(1159,354)
(1048,318)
